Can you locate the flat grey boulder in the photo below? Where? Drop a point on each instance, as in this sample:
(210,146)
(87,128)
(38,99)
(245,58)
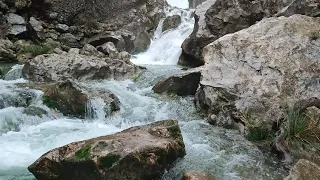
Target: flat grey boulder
(142,152)
(72,65)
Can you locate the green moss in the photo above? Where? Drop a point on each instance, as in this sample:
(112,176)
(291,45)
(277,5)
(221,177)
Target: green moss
(84,152)
(50,102)
(37,49)
(109,160)
(165,25)
(315,35)
(258,134)
(174,128)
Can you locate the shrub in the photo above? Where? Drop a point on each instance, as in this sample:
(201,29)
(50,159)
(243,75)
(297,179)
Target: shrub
(300,128)
(301,134)
(35,49)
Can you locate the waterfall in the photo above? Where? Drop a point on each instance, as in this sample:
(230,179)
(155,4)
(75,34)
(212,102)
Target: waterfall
(14,73)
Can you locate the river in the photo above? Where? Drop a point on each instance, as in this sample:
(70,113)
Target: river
(224,153)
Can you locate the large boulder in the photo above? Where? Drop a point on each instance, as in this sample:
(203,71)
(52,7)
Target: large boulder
(248,79)
(72,99)
(143,152)
(181,84)
(216,18)
(304,170)
(72,65)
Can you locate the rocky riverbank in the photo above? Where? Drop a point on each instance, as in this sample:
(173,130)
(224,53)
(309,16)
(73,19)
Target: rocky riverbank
(259,66)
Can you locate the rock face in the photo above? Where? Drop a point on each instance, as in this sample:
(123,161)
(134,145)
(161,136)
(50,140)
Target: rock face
(304,170)
(247,78)
(56,67)
(72,100)
(95,18)
(304,7)
(180,84)
(7,52)
(216,18)
(194,3)
(193,175)
(137,153)
(171,22)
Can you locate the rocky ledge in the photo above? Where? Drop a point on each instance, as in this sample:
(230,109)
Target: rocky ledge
(72,65)
(137,153)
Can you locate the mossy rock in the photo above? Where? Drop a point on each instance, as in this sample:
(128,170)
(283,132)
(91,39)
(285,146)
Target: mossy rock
(108,160)
(34,111)
(67,98)
(171,22)
(84,152)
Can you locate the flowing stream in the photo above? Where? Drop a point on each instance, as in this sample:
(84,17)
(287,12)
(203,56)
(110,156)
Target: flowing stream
(224,153)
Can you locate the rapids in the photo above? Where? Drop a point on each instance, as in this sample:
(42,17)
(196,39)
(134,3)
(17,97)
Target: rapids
(224,153)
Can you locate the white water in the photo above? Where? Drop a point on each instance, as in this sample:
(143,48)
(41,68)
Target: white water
(224,153)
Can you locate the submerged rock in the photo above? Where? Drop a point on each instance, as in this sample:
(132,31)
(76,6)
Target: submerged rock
(72,100)
(171,22)
(194,175)
(194,3)
(35,111)
(56,67)
(137,153)
(181,84)
(304,170)
(246,78)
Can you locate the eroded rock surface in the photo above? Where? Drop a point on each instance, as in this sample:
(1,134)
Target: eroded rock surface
(137,153)
(72,65)
(216,18)
(304,170)
(248,78)
(171,22)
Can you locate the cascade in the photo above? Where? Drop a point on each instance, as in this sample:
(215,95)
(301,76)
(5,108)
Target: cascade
(224,153)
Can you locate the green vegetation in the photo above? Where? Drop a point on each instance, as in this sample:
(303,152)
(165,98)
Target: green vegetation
(300,129)
(37,49)
(84,152)
(50,102)
(315,35)
(174,129)
(109,160)
(260,133)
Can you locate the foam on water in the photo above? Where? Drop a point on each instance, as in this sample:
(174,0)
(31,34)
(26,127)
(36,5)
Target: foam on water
(165,48)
